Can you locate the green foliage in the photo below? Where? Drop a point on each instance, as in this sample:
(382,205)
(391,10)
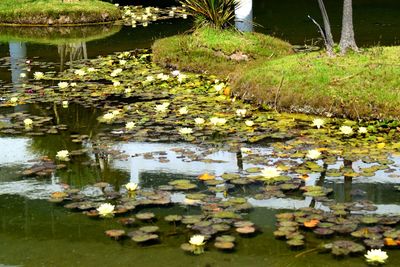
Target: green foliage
(218,14)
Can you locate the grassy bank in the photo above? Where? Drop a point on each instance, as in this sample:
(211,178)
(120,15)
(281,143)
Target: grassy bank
(364,85)
(217,52)
(359,85)
(56,12)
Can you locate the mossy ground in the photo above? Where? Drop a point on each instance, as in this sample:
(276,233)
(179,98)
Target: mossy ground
(209,50)
(358,85)
(55,12)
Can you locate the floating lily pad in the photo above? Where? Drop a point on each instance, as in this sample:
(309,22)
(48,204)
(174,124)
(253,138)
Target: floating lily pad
(224,245)
(149,229)
(116,234)
(145,216)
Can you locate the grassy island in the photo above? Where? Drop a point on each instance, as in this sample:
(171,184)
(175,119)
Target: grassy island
(265,70)
(56,12)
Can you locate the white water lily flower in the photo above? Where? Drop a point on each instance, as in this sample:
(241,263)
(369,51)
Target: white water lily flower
(106,210)
(63,85)
(171,13)
(245,150)
(176,73)
(162,76)
(14,99)
(115,72)
(241,112)
(22,75)
(117,5)
(131,186)
(91,69)
(184,16)
(217,121)
(362,130)
(73,84)
(318,123)
(197,240)
(65,104)
(270,172)
(80,72)
(130,125)
(181,77)
(185,131)
(116,83)
(128,90)
(183,110)
(108,116)
(116,112)
(63,155)
(346,130)
(162,107)
(149,78)
(199,121)
(219,87)
(122,62)
(375,256)
(38,75)
(313,154)
(28,122)
(249,123)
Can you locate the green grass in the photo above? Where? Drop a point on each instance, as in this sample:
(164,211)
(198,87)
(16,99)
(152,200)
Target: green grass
(53,12)
(365,85)
(208,50)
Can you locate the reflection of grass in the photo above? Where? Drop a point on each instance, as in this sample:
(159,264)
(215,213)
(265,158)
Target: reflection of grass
(48,12)
(209,50)
(56,35)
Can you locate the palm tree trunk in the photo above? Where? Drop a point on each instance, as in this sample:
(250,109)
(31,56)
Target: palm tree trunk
(347,39)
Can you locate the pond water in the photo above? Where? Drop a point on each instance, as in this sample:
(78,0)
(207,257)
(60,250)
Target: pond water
(35,232)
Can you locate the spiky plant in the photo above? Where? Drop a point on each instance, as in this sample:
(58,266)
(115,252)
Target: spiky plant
(218,14)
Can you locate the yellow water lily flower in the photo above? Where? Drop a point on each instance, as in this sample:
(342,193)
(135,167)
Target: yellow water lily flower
(375,256)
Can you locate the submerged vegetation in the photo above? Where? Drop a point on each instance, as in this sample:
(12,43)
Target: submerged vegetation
(56,12)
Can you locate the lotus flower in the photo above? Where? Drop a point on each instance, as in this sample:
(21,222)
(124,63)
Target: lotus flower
(63,155)
(376,256)
(106,210)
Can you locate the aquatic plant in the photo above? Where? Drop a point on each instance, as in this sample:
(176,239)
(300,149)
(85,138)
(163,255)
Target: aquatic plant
(219,14)
(106,210)
(376,256)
